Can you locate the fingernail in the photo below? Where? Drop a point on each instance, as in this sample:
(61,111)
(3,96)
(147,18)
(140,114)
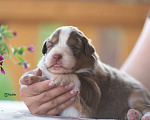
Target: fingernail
(73,92)
(73,98)
(51,84)
(69,86)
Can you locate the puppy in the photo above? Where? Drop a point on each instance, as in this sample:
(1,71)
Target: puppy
(103,92)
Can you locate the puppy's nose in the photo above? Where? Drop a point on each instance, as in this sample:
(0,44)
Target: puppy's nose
(57,56)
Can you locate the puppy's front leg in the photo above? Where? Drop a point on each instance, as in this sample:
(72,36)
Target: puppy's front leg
(65,79)
(29,79)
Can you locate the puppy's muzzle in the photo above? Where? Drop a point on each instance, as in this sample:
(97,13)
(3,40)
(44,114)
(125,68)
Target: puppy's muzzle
(57,57)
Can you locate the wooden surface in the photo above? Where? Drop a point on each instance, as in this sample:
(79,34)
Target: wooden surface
(14,110)
(87,12)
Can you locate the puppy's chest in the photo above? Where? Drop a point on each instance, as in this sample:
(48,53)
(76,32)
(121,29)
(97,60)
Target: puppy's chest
(47,75)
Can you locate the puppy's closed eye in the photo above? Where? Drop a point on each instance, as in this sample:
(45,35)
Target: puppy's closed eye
(49,46)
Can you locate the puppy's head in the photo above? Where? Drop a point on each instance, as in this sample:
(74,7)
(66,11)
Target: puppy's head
(67,50)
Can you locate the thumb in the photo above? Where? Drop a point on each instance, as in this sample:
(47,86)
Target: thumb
(37,72)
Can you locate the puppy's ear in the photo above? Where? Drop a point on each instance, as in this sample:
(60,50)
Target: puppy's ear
(88,47)
(44,48)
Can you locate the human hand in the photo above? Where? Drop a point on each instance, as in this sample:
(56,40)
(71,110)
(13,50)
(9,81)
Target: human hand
(45,98)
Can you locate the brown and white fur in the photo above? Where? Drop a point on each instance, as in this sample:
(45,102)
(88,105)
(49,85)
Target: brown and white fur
(103,92)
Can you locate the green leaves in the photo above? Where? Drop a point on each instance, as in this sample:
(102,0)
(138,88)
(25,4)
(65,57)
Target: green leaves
(1,50)
(7,49)
(16,51)
(2,41)
(3,28)
(8,34)
(4,32)
(21,50)
(21,60)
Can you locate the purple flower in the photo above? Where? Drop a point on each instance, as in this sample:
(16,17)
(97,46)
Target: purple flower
(25,65)
(1,62)
(14,34)
(31,48)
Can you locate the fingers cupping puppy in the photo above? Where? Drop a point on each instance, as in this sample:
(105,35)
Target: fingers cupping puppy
(45,98)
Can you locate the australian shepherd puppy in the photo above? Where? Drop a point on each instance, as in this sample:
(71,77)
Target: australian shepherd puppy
(103,92)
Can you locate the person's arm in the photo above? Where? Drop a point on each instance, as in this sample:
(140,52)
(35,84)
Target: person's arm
(138,62)
(45,98)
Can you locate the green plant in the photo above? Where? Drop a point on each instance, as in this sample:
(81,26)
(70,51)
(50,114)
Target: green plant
(9,51)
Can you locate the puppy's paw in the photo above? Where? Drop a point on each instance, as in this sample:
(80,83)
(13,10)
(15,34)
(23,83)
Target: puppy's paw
(146,116)
(61,79)
(29,79)
(134,115)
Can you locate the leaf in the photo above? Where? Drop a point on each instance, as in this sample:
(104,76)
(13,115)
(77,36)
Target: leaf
(21,63)
(1,50)
(21,50)
(15,50)
(1,46)
(2,41)
(7,49)
(20,58)
(7,34)
(4,32)
(3,28)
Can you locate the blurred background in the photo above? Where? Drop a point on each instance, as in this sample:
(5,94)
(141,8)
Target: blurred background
(113,26)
